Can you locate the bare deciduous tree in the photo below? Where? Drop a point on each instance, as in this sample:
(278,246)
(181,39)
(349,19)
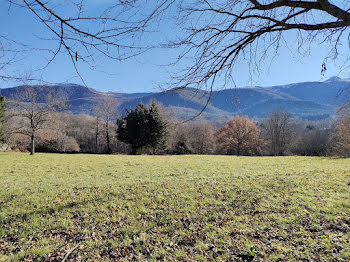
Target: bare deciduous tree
(191,137)
(311,141)
(97,127)
(201,137)
(341,137)
(53,137)
(32,113)
(81,34)
(214,35)
(277,131)
(106,110)
(83,129)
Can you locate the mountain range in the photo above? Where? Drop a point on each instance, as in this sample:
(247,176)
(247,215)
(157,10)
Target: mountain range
(307,100)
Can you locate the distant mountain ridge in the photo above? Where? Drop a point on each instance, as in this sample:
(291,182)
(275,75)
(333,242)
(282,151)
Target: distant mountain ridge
(308,100)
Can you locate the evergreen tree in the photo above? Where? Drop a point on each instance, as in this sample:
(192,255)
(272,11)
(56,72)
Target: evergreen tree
(157,129)
(181,148)
(2,117)
(143,128)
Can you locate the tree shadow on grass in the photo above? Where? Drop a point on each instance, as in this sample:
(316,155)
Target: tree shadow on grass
(49,211)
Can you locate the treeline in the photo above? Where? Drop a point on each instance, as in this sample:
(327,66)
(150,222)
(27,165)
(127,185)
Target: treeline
(151,129)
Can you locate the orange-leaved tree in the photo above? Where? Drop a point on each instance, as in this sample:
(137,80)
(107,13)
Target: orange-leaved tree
(240,136)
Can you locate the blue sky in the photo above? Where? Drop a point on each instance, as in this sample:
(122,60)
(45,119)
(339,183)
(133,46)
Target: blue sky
(146,72)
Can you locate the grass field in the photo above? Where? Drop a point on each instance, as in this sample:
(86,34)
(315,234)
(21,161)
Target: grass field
(189,208)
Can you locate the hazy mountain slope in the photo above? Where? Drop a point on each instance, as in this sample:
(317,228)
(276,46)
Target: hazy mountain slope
(187,98)
(299,108)
(71,91)
(236,100)
(328,92)
(308,100)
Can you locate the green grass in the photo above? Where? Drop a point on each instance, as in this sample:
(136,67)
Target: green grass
(172,208)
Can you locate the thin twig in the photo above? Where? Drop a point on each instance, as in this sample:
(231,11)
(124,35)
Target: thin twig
(70,252)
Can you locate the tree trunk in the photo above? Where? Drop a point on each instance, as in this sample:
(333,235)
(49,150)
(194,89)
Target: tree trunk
(133,150)
(32,145)
(108,139)
(96,136)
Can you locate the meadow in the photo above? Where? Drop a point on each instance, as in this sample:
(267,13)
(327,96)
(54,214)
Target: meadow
(175,208)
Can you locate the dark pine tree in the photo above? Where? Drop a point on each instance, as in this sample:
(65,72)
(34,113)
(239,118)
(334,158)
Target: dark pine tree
(181,148)
(143,128)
